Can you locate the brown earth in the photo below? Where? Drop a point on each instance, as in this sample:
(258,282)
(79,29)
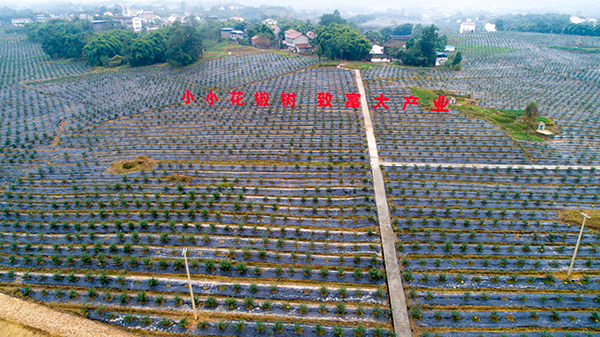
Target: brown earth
(133,165)
(22,318)
(574,217)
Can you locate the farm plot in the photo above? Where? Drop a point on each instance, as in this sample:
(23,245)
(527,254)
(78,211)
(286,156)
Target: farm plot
(416,135)
(483,249)
(563,84)
(274,204)
(236,70)
(249,132)
(24,61)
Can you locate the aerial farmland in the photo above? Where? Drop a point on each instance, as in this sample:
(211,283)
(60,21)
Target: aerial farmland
(303,206)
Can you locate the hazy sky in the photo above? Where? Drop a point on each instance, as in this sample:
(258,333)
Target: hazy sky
(580,7)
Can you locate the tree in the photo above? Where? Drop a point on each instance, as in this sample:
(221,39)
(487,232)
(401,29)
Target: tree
(261,30)
(61,38)
(102,47)
(99,50)
(530,114)
(421,52)
(142,53)
(184,46)
(405,29)
(158,40)
(327,19)
(341,41)
(454,62)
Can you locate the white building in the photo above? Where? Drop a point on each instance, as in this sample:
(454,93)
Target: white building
(490,27)
(376,50)
(269,21)
(137,24)
(467,27)
(576,19)
(21,22)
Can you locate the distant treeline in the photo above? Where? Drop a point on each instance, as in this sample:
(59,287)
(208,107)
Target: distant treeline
(545,23)
(179,45)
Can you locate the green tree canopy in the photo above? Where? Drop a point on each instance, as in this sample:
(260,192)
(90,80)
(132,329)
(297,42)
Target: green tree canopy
(454,62)
(530,114)
(405,29)
(341,41)
(102,47)
(184,46)
(261,30)
(327,19)
(60,38)
(142,53)
(421,52)
(158,40)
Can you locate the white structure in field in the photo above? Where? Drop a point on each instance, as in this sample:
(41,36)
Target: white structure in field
(467,27)
(377,49)
(490,27)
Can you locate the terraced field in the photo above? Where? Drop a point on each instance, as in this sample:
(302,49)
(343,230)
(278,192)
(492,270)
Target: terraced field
(108,176)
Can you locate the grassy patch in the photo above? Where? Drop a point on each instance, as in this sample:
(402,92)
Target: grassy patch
(327,64)
(360,65)
(214,50)
(505,119)
(483,50)
(578,49)
(133,165)
(179,178)
(574,217)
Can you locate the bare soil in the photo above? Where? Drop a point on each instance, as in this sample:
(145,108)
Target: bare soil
(574,217)
(132,165)
(22,318)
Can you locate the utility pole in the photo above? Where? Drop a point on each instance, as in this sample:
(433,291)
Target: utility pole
(187,269)
(585,216)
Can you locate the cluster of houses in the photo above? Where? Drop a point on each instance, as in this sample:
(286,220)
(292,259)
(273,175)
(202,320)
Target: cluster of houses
(293,40)
(130,18)
(469,26)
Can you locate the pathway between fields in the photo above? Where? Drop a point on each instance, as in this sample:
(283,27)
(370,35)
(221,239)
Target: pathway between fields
(388,238)
(54,322)
(491,166)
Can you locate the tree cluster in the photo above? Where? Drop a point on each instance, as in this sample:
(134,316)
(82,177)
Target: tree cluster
(179,45)
(545,23)
(341,41)
(454,62)
(421,48)
(61,39)
(261,30)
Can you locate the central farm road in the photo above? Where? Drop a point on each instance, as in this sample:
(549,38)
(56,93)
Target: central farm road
(388,238)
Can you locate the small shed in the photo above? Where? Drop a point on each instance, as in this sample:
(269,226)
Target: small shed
(226,32)
(116,61)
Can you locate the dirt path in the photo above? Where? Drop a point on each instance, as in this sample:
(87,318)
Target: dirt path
(55,323)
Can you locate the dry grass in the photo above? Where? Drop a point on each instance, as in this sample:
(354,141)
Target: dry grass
(574,217)
(133,165)
(56,141)
(179,178)
(19,330)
